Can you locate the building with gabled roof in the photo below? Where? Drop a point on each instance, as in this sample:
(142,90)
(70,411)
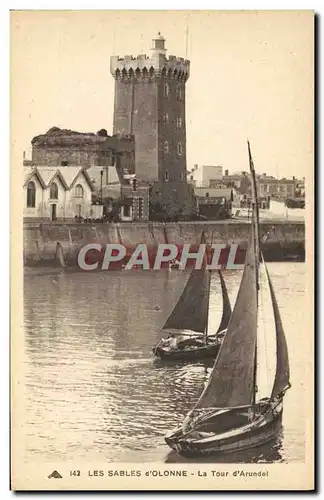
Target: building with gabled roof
(54,193)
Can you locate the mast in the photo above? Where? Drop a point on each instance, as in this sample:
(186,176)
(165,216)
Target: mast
(255,210)
(256,242)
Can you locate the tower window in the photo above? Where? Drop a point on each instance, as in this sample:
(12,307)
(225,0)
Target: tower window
(166,147)
(31,194)
(166,175)
(165,118)
(179,148)
(140,207)
(181,176)
(179,93)
(166,90)
(54,191)
(179,122)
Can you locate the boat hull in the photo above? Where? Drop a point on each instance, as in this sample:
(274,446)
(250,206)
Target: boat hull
(194,354)
(253,437)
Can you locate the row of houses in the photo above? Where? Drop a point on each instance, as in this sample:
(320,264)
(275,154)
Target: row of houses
(73,192)
(207,176)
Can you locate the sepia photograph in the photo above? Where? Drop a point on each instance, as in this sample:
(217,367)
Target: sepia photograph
(162,198)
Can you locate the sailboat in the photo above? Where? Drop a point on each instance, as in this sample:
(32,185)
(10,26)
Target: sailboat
(241,406)
(188,322)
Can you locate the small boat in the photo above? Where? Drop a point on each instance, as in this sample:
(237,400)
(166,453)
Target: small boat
(241,406)
(174,264)
(188,323)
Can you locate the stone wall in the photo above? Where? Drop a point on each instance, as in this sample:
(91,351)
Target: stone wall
(84,156)
(285,240)
(135,111)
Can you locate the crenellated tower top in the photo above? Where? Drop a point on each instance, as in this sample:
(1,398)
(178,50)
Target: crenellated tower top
(158,65)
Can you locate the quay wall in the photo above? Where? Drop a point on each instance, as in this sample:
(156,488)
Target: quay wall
(283,241)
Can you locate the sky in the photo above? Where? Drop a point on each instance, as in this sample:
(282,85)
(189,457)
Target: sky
(251,77)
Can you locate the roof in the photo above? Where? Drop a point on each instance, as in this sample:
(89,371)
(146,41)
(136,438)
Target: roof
(56,137)
(213,192)
(233,177)
(67,175)
(271,180)
(159,37)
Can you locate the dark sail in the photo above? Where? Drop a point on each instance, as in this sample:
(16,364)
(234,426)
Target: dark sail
(231,382)
(190,313)
(191,310)
(227,310)
(282,373)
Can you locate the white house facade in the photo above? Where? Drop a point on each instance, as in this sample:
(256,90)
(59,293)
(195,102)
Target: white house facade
(54,193)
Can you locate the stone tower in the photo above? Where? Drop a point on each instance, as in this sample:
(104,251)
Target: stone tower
(150,104)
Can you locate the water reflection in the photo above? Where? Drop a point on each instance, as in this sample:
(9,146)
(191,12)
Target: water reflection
(92,387)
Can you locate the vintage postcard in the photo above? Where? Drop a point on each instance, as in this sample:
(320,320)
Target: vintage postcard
(162,182)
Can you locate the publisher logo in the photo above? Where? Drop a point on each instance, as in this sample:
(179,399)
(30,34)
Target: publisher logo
(55,475)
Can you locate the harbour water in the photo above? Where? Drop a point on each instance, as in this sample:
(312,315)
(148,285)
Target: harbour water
(94,392)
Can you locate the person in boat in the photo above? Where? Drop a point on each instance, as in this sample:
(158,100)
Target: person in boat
(170,342)
(190,421)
